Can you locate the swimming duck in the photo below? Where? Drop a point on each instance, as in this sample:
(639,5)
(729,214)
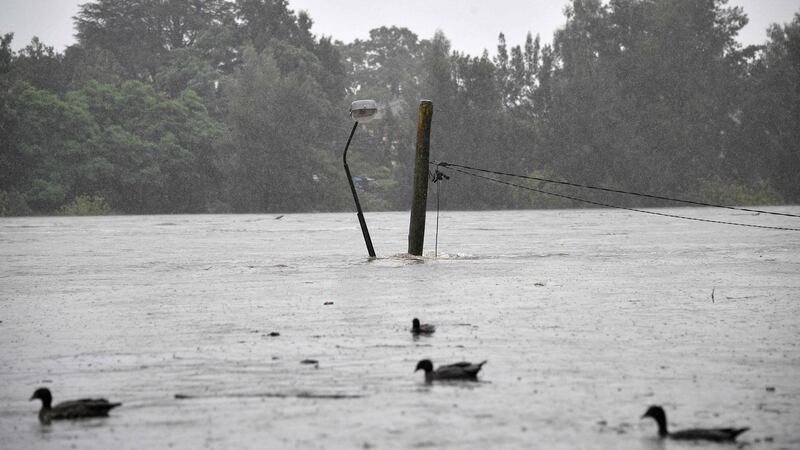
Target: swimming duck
(75,409)
(457,371)
(421,328)
(697,434)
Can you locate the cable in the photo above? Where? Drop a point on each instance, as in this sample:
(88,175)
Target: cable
(452,167)
(437,177)
(617,191)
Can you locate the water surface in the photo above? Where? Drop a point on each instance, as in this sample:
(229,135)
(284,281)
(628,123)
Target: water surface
(586,318)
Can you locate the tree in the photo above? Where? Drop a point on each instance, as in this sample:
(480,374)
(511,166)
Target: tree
(642,91)
(137,149)
(6,54)
(162,151)
(50,146)
(140,35)
(266,20)
(40,66)
(677,62)
(7,119)
(175,105)
(504,70)
(769,122)
(385,65)
(276,124)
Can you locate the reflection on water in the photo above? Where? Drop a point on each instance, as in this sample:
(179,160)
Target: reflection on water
(586,318)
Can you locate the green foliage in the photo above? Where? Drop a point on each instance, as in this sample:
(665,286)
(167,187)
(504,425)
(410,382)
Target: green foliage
(13,204)
(373,201)
(537,197)
(719,192)
(186,69)
(142,151)
(767,136)
(160,150)
(140,36)
(6,54)
(176,106)
(49,140)
(85,205)
(275,121)
(40,66)
(267,20)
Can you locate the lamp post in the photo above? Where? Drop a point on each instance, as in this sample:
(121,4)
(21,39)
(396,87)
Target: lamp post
(360,111)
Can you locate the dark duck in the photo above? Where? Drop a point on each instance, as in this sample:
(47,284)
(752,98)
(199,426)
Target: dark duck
(696,434)
(458,371)
(418,329)
(74,409)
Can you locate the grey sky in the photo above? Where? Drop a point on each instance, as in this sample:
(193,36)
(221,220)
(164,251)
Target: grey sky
(471,25)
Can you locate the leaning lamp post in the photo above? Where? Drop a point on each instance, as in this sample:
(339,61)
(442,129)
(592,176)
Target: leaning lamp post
(360,111)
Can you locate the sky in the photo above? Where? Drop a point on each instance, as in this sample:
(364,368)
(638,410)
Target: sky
(471,25)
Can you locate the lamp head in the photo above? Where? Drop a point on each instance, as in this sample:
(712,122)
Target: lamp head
(363,110)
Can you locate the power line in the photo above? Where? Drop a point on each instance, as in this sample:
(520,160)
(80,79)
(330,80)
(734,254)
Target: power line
(616,191)
(591,202)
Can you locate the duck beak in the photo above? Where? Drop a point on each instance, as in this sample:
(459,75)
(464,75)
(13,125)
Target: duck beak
(645,415)
(33,397)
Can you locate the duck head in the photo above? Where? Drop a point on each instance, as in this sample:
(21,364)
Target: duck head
(44,395)
(415,324)
(425,365)
(658,414)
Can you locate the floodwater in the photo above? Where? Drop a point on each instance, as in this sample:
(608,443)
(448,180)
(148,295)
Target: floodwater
(585,316)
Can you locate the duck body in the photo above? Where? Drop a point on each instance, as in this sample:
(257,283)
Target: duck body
(693,434)
(73,409)
(459,371)
(708,434)
(418,328)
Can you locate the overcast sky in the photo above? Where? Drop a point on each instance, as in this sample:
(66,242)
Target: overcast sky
(471,25)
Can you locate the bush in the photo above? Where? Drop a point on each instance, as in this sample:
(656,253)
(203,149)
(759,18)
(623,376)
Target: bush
(528,199)
(85,205)
(13,204)
(719,192)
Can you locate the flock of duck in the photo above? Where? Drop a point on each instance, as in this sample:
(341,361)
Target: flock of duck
(466,371)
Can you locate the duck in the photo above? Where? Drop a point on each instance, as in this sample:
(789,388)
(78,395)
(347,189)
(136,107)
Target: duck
(421,328)
(74,409)
(697,434)
(458,371)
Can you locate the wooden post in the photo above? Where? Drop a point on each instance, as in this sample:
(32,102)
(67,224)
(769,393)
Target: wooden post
(419,199)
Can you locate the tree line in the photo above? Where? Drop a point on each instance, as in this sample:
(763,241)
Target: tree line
(167,106)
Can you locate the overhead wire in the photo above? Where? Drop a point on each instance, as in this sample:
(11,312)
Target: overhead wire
(458,168)
(616,191)
(437,177)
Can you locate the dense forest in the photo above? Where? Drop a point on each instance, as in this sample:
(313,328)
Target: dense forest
(170,106)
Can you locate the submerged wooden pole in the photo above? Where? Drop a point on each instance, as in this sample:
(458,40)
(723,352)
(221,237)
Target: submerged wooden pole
(419,199)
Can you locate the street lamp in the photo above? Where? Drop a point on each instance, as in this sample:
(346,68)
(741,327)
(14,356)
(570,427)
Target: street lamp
(360,111)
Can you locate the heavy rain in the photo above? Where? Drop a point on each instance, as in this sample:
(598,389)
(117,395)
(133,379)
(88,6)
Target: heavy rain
(608,211)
